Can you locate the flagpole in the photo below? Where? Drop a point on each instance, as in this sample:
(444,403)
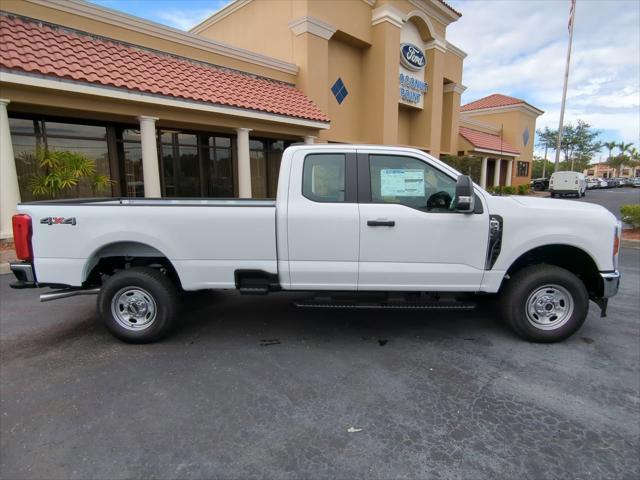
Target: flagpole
(564,90)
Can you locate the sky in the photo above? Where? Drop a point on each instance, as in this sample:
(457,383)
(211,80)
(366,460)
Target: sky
(518,48)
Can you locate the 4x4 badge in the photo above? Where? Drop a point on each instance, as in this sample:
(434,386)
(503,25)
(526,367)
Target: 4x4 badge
(58,221)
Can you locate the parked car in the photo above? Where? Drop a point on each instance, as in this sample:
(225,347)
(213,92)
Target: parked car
(539,184)
(567,183)
(613,183)
(603,183)
(625,182)
(592,183)
(635,182)
(356,226)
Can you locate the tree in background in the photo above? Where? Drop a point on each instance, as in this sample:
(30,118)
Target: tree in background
(541,167)
(610,146)
(579,144)
(547,139)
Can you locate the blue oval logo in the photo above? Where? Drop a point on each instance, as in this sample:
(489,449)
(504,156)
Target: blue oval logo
(412,57)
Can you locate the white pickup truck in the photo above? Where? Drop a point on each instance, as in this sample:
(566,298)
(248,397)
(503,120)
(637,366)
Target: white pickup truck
(392,227)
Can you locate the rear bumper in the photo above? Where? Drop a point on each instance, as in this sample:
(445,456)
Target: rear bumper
(25,276)
(610,283)
(564,192)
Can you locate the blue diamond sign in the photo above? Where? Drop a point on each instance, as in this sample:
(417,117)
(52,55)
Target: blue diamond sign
(339,90)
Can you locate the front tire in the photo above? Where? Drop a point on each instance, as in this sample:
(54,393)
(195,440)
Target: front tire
(544,303)
(138,305)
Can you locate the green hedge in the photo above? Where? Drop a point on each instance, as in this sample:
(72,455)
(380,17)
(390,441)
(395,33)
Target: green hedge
(509,190)
(467,165)
(631,215)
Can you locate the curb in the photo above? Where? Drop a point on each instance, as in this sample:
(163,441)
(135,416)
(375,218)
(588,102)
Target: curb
(4,268)
(630,243)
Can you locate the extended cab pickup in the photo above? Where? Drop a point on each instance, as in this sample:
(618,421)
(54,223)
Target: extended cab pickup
(393,227)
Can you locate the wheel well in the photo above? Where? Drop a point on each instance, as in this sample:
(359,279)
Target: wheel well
(568,257)
(122,255)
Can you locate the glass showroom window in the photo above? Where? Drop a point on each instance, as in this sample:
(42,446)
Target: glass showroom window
(196,164)
(523,169)
(33,137)
(129,154)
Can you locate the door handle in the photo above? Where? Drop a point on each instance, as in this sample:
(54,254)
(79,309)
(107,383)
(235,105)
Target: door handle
(381,223)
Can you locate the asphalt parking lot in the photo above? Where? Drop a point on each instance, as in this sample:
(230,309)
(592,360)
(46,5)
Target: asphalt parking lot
(253,387)
(612,198)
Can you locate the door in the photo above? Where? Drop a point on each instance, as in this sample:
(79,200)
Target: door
(323,221)
(410,238)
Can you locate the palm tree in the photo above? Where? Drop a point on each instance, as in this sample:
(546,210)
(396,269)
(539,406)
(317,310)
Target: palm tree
(610,146)
(624,148)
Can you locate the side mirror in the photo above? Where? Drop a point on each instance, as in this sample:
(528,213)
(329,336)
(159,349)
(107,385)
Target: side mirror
(465,196)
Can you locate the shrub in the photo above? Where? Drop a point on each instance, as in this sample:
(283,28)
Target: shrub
(523,189)
(631,215)
(509,190)
(466,165)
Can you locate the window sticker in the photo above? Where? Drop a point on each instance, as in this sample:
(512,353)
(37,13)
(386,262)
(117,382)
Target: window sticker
(399,182)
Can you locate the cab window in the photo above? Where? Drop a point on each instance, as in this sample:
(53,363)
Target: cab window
(323,177)
(411,182)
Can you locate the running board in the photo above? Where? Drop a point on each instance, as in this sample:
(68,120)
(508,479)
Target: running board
(448,305)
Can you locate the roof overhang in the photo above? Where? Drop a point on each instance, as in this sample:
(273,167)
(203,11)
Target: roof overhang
(494,152)
(437,10)
(70,86)
(519,107)
(123,20)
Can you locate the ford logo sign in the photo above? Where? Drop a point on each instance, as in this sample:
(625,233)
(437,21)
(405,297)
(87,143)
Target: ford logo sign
(412,57)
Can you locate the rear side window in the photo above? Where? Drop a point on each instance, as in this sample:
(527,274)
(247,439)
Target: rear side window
(323,177)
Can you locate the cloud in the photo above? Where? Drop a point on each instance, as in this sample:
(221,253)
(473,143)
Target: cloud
(519,48)
(183,19)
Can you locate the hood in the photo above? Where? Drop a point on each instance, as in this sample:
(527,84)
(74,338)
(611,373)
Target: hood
(555,204)
(551,205)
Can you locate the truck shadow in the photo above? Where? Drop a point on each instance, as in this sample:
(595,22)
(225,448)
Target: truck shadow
(274,319)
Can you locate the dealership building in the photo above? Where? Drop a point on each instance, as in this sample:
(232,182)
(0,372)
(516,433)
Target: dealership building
(208,113)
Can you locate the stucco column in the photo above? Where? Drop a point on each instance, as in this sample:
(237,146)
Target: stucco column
(483,173)
(309,139)
(426,126)
(496,173)
(150,167)
(509,171)
(244,163)
(450,117)
(9,190)
(382,86)
(311,54)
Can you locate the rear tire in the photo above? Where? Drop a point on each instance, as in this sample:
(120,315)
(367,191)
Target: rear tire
(544,303)
(138,305)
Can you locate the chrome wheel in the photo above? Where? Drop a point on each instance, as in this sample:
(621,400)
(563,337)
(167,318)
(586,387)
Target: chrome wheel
(549,307)
(133,308)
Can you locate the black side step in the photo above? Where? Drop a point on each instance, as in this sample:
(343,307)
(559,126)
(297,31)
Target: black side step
(428,305)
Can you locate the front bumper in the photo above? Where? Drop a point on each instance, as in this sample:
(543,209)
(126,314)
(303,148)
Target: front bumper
(25,276)
(610,283)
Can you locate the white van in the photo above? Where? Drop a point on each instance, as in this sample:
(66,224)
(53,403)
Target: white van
(567,183)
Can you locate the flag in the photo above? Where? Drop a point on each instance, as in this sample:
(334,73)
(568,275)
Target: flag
(571,10)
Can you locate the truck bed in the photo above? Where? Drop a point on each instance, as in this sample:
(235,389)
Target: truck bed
(206,240)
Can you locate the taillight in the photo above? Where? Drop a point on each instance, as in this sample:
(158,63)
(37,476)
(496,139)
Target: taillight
(22,233)
(616,244)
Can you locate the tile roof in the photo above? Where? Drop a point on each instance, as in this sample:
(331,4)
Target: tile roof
(487,141)
(495,100)
(33,47)
(450,8)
